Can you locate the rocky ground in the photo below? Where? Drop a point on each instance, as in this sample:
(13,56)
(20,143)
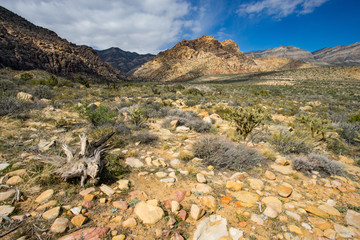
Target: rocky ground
(164,197)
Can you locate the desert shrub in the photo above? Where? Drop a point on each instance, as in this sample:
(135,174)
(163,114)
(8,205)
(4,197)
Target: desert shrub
(246,119)
(82,80)
(114,169)
(42,92)
(191,103)
(349,132)
(291,142)
(317,162)
(188,119)
(6,85)
(145,138)
(222,153)
(96,115)
(26,77)
(137,115)
(186,155)
(11,105)
(355,117)
(193,92)
(315,124)
(122,129)
(52,81)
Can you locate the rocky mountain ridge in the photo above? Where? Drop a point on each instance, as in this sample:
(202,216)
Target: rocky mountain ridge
(25,46)
(206,56)
(330,56)
(125,61)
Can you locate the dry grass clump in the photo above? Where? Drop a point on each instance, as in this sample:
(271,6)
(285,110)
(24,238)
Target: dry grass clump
(317,162)
(222,153)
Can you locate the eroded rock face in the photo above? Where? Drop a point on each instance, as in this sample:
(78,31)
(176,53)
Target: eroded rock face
(194,58)
(24,46)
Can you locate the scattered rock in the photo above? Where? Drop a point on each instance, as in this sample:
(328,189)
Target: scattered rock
(119,237)
(285,190)
(59,225)
(107,190)
(319,223)
(76,210)
(175,206)
(209,201)
(87,234)
(167,180)
(236,234)
(87,191)
(282,161)
(270,175)
(234,186)
(182,214)
(45,196)
(273,202)
(286,170)
(330,210)
(19,172)
(78,220)
(51,213)
(15,180)
(247,199)
(4,166)
(200,178)
(182,129)
(133,162)
(147,213)
(179,195)
(270,212)
(212,228)
(6,210)
(161,174)
(130,222)
(316,211)
(6,195)
(353,218)
(295,229)
(257,219)
(293,215)
(120,205)
(46,205)
(123,184)
(196,212)
(343,231)
(202,188)
(256,184)
(240,176)
(88,204)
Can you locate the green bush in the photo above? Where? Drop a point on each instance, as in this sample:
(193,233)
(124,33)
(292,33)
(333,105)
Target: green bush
(26,77)
(145,138)
(222,153)
(137,115)
(96,115)
(52,81)
(291,142)
(11,105)
(246,119)
(6,85)
(42,91)
(317,162)
(315,124)
(191,103)
(193,92)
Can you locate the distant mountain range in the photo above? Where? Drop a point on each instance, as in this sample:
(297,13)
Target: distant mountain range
(331,56)
(126,62)
(24,46)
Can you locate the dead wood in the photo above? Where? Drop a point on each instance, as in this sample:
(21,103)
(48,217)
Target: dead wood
(87,162)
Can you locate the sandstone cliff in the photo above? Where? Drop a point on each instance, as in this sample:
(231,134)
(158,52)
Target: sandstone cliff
(194,58)
(24,46)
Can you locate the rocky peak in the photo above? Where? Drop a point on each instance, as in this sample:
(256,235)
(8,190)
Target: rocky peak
(25,46)
(193,58)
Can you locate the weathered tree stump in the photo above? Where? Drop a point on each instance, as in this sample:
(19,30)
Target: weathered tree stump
(87,162)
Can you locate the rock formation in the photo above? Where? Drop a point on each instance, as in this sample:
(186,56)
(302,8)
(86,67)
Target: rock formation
(24,46)
(194,58)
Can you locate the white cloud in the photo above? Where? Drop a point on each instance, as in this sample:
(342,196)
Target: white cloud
(279,8)
(134,25)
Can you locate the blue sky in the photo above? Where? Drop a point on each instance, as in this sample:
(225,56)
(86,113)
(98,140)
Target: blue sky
(149,26)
